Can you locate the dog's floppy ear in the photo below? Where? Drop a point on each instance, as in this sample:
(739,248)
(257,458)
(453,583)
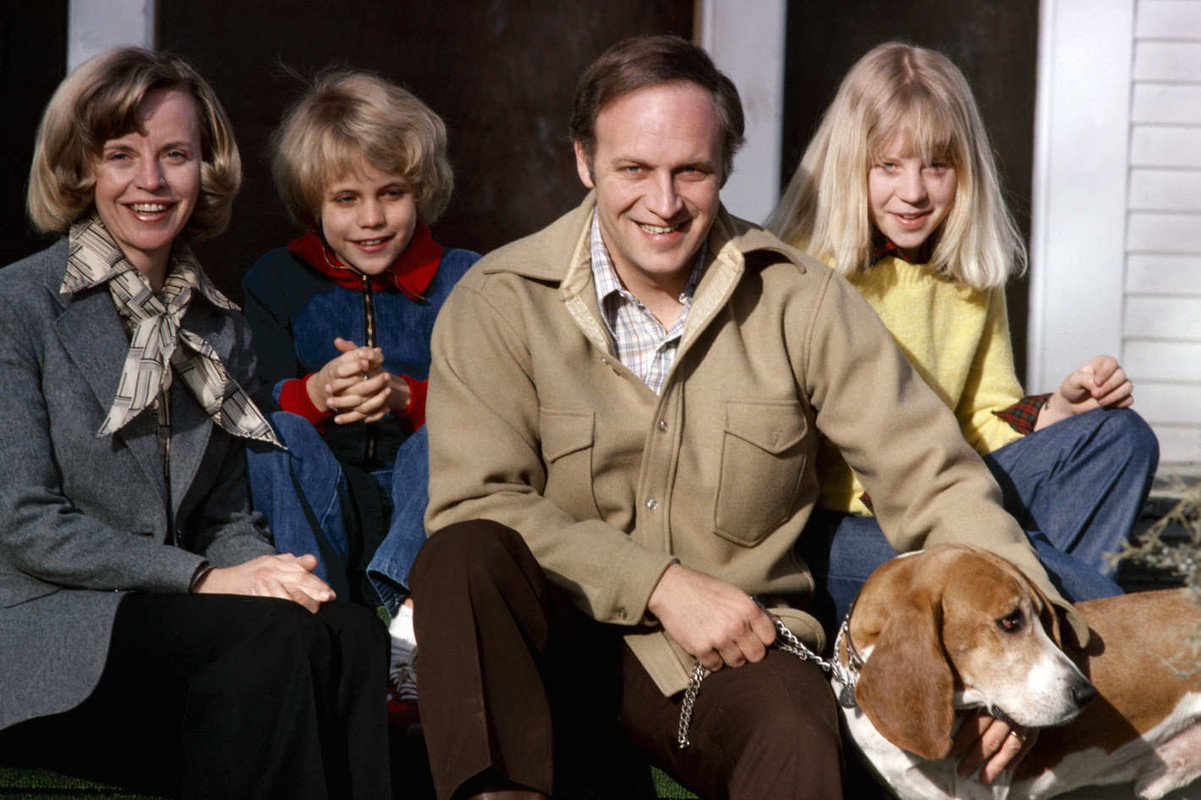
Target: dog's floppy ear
(1047,613)
(906,688)
(1043,606)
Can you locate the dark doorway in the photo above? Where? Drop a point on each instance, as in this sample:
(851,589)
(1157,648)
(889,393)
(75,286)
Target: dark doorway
(500,73)
(33,59)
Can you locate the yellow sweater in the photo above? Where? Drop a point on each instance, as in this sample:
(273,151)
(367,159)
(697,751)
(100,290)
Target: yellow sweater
(957,339)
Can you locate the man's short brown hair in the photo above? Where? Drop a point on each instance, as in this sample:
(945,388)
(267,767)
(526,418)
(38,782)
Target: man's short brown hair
(646,61)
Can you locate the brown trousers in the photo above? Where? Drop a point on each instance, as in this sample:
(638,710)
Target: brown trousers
(519,689)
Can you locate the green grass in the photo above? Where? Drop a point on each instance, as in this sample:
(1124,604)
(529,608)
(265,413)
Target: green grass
(37,784)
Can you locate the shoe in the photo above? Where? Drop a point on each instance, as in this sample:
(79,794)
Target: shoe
(402,713)
(402,671)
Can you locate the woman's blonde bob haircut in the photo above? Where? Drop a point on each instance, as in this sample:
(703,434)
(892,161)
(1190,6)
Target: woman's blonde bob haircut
(897,90)
(351,116)
(99,101)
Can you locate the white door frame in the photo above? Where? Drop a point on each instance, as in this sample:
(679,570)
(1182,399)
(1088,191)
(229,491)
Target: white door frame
(746,40)
(94,26)
(1081,147)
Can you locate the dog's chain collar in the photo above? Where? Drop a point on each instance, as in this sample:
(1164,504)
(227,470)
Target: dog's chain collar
(846,674)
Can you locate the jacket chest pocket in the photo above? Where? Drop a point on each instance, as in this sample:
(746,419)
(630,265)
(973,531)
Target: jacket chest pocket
(762,462)
(568,450)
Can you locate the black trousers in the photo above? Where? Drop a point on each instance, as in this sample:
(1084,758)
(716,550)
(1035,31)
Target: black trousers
(519,688)
(221,696)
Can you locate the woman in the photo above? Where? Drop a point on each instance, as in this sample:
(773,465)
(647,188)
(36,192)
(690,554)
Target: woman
(131,645)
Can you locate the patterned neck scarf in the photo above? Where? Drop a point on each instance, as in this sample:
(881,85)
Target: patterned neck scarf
(158,344)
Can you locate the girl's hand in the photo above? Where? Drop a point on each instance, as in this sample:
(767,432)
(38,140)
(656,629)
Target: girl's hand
(285,576)
(1100,383)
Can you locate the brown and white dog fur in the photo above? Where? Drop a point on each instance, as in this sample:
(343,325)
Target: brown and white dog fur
(954,628)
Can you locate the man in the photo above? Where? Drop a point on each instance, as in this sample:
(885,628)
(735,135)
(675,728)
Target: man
(634,395)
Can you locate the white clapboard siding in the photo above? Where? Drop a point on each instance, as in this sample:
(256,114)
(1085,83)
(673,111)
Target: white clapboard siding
(1169,403)
(1168,103)
(1166,19)
(1163,146)
(1165,189)
(1163,274)
(1163,233)
(1161,322)
(1178,444)
(1166,61)
(1163,318)
(1149,360)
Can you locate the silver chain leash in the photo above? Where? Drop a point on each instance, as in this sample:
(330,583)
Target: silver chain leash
(786,641)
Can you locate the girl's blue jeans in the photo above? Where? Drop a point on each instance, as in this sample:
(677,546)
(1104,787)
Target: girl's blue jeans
(1077,487)
(306,498)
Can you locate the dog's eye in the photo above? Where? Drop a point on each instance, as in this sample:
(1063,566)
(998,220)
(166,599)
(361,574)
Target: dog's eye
(1011,623)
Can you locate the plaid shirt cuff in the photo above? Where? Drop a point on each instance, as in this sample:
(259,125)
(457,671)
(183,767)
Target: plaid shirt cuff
(1022,415)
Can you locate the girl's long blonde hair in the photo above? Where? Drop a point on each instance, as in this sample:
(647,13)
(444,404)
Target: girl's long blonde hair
(900,90)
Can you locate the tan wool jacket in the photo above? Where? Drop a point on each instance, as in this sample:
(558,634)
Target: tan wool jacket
(534,423)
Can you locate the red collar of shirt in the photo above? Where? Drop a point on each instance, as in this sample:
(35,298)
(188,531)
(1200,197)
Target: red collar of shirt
(410,274)
(882,248)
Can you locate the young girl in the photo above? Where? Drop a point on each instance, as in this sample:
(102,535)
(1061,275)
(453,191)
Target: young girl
(342,319)
(898,191)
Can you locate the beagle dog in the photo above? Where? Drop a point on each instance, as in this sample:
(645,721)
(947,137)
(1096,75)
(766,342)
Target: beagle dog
(937,633)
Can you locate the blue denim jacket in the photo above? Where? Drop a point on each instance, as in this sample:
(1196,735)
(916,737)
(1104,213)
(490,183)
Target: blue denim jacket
(295,313)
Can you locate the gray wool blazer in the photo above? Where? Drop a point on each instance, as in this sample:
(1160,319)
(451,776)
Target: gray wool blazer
(83,519)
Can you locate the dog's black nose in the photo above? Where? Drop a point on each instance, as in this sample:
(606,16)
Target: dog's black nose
(1083,692)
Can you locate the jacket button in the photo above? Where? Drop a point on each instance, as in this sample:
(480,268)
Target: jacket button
(652,504)
(662,426)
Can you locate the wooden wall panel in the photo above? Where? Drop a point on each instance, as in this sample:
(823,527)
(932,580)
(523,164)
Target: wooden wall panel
(1163,233)
(1164,317)
(1178,444)
(1163,274)
(1167,61)
(1164,190)
(1165,147)
(1162,334)
(1162,361)
(500,73)
(1170,404)
(1172,104)
(33,59)
(1165,19)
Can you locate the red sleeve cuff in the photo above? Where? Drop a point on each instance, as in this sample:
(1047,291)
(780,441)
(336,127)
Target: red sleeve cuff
(294,398)
(415,413)
(1023,414)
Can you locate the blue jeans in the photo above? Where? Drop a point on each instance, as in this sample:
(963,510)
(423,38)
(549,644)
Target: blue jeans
(308,502)
(389,567)
(1077,487)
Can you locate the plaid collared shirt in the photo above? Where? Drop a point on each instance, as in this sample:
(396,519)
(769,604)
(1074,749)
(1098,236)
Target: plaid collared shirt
(640,341)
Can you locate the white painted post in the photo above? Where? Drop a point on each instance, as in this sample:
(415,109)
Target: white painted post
(746,40)
(1081,145)
(94,26)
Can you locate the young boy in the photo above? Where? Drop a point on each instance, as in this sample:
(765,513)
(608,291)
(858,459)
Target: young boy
(342,319)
